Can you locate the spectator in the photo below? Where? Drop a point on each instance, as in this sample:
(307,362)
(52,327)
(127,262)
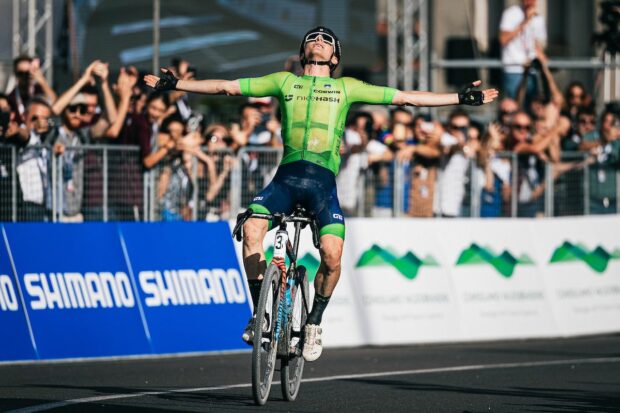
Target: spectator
(352,161)
(178,99)
(425,154)
(32,164)
(531,167)
(457,149)
(492,174)
(68,139)
(507,108)
(522,31)
(604,163)
(10,134)
(575,98)
(217,189)
(175,186)
(586,123)
(30,83)
(257,128)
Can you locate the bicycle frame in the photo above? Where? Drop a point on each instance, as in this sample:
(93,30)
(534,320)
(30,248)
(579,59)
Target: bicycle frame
(283,248)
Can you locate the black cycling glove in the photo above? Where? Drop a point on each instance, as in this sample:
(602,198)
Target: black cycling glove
(470,97)
(167,81)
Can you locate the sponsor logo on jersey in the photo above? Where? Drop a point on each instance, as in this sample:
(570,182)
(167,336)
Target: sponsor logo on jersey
(257,198)
(8,298)
(288,98)
(337,216)
(72,290)
(191,287)
(327,91)
(320,99)
(328,85)
(298,86)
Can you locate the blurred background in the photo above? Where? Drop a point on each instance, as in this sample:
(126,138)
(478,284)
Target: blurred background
(131,161)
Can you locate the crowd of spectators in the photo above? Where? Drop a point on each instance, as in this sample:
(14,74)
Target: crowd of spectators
(459,167)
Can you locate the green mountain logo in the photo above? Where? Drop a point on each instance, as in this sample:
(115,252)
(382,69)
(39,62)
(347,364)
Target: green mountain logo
(308,260)
(597,259)
(408,265)
(504,263)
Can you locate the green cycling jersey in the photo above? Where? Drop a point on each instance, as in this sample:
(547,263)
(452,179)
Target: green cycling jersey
(314,111)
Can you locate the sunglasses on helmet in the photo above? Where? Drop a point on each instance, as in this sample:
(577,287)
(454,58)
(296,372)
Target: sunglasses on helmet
(327,38)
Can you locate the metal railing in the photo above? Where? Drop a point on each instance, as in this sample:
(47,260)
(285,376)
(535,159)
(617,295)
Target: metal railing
(108,183)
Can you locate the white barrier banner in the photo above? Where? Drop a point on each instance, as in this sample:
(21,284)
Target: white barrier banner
(405,293)
(581,266)
(496,276)
(416,280)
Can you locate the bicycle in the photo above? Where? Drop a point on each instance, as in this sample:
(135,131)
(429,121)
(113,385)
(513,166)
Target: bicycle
(281,311)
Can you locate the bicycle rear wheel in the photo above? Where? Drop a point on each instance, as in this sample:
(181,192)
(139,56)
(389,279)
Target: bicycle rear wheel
(265,344)
(292,367)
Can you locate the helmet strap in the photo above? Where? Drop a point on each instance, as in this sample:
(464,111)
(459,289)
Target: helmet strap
(317,62)
(329,63)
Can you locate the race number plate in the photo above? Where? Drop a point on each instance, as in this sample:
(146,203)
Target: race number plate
(279,245)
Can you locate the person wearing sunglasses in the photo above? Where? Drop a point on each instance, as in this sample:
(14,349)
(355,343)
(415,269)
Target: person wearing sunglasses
(314,108)
(72,133)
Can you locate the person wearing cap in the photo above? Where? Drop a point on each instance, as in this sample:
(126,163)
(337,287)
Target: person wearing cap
(314,108)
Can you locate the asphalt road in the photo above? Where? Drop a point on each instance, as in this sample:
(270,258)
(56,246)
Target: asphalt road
(563,375)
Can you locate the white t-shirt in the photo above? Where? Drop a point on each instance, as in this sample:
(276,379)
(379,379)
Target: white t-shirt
(521,49)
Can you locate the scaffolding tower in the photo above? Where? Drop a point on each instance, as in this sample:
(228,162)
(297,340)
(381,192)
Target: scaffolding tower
(33,32)
(408,44)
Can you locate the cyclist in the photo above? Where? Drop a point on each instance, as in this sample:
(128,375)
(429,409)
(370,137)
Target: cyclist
(314,108)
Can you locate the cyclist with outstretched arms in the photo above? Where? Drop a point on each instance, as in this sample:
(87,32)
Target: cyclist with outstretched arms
(314,109)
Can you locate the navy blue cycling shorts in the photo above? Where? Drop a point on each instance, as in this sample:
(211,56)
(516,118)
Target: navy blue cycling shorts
(308,185)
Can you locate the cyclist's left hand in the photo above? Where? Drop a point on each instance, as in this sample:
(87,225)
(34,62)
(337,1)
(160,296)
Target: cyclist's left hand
(470,97)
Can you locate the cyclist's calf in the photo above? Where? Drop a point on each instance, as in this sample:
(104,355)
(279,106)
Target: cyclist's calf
(331,253)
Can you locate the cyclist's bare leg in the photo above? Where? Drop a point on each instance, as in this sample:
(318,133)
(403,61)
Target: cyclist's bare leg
(328,273)
(254,231)
(326,279)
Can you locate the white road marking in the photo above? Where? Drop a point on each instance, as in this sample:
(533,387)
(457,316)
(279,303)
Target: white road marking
(475,367)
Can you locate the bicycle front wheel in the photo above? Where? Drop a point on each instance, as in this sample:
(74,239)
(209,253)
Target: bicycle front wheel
(292,366)
(265,343)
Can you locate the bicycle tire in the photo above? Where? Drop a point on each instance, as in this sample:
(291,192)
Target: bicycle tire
(291,368)
(263,355)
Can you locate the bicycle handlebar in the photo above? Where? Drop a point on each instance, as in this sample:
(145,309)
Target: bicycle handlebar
(278,219)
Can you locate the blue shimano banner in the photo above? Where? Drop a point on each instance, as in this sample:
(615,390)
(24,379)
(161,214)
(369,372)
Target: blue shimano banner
(190,285)
(15,340)
(77,289)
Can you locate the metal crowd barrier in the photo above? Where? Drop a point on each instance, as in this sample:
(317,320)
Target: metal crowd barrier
(108,183)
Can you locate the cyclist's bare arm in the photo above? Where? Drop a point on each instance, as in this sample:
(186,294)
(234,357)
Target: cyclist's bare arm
(211,87)
(418,98)
(207,86)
